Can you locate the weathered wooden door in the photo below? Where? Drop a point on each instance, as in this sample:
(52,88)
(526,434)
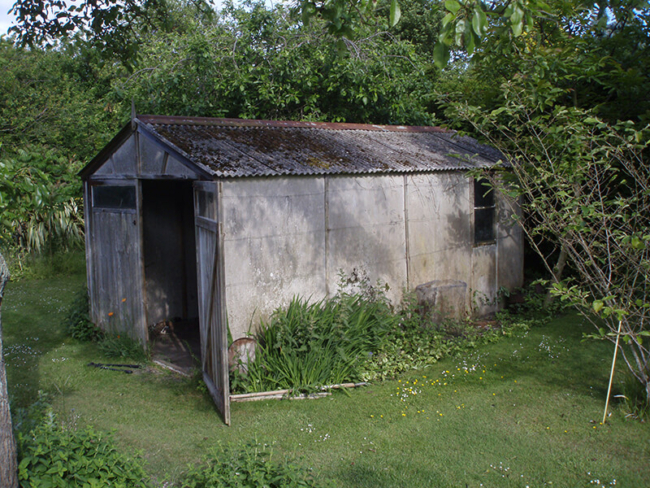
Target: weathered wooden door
(212,316)
(114,257)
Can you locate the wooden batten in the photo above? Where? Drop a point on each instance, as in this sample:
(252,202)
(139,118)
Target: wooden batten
(289,394)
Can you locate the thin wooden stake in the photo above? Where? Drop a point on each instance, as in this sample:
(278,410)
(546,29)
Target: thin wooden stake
(611,375)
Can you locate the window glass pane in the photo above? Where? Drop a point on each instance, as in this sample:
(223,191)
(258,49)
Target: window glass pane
(114,197)
(483,193)
(207,207)
(483,225)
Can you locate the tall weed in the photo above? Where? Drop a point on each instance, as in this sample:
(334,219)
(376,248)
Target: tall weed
(308,345)
(77,319)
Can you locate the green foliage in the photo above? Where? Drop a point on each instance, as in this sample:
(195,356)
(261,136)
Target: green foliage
(572,56)
(530,304)
(255,63)
(45,266)
(50,455)
(39,207)
(307,346)
(419,24)
(77,320)
(53,106)
(121,346)
(418,342)
(249,466)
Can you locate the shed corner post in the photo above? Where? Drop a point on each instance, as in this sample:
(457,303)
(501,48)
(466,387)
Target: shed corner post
(88,240)
(143,331)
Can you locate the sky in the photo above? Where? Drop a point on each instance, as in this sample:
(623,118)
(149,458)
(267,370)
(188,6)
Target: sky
(5,19)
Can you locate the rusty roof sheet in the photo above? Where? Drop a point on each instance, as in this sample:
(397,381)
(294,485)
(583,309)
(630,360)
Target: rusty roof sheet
(240,148)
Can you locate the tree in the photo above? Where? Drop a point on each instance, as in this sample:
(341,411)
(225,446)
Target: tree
(8,459)
(584,185)
(108,26)
(254,63)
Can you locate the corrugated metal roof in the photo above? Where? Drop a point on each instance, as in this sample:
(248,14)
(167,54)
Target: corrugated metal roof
(236,148)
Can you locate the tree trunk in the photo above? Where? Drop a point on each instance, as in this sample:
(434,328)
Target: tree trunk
(557,274)
(8,459)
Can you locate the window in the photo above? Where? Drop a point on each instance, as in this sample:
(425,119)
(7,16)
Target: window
(484,210)
(207,207)
(114,197)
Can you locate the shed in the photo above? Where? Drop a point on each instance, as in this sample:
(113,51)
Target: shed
(224,220)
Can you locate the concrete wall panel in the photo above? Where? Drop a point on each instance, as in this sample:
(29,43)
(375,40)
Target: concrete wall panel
(274,245)
(440,231)
(484,287)
(366,230)
(292,236)
(511,246)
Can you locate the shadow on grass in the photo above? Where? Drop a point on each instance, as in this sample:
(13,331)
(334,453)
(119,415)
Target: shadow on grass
(556,356)
(32,312)
(375,476)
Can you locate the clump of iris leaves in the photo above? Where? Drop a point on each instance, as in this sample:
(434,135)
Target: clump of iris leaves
(352,337)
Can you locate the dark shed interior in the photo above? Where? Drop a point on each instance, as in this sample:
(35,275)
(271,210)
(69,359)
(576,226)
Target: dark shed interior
(170,262)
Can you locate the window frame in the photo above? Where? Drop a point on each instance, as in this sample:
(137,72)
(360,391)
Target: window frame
(483,206)
(95,186)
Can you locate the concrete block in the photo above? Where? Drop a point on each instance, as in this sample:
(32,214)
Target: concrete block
(443,299)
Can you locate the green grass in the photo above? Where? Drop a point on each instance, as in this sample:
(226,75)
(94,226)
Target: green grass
(527,414)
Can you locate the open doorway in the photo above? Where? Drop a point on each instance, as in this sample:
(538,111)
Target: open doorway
(170,273)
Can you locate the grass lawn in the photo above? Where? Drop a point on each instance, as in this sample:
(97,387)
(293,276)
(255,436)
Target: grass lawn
(524,411)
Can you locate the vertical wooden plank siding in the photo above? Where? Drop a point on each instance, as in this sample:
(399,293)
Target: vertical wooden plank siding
(211,311)
(220,300)
(116,271)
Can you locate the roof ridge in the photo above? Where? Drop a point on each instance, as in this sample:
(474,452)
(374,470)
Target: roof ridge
(253,123)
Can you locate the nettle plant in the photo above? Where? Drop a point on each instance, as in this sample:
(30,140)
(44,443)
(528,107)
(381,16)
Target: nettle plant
(584,186)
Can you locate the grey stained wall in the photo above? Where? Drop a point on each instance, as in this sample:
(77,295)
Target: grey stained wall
(292,236)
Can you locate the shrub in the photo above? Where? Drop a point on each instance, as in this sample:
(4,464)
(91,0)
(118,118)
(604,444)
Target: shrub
(77,320)
(53,456)
(250,466)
